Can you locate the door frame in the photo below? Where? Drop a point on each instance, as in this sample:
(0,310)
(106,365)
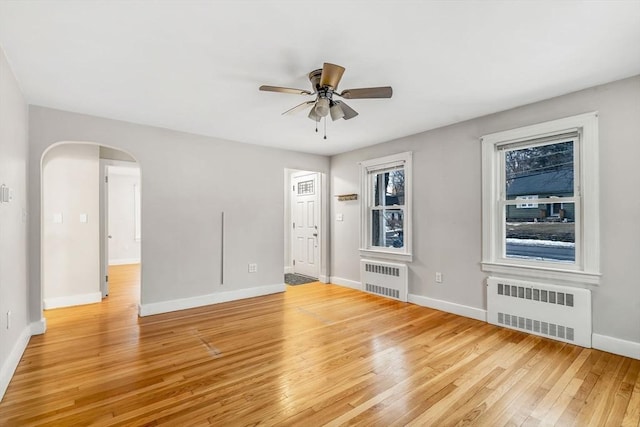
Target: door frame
(323,229)
(104,219)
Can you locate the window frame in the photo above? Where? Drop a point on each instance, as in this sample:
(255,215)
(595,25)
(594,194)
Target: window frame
(367,205)
(586,269)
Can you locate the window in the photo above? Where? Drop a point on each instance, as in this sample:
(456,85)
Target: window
(540,200)
(526,205)
(306,187)
(386,201)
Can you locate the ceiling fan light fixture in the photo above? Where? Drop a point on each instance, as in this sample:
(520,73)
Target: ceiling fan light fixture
(313,115)
(322,107)
(336,112)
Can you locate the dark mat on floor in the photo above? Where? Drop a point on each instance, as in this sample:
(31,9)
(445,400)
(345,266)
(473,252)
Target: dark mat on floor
(297,279)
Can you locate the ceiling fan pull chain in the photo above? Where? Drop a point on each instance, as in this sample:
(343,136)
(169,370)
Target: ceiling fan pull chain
(325,128)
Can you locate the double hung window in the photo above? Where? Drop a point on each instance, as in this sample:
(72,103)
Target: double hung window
(540,200)
(386,204)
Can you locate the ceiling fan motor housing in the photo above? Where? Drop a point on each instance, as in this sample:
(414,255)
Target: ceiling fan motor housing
(314,76)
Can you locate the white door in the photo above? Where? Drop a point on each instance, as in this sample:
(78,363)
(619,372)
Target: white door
(305,202)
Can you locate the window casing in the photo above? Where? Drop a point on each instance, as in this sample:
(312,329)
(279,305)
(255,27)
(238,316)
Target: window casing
(386,207)
(540,201)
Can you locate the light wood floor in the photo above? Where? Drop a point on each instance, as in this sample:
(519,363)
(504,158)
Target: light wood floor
(315,355)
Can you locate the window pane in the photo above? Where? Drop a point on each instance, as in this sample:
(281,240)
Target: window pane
(387,228)
(539,172)
(388,188)
(531,234)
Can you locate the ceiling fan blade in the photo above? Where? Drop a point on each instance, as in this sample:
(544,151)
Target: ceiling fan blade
(331,75)
(285,90)
(367,92)
(349,113)
(298,107)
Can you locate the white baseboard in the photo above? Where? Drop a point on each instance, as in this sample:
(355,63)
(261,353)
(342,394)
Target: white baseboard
(39,327)
(72,300)
(345,282)
(288,270)
(124,261)
(215,298)
(11,363)
(323,278)
(616,346)
(449,307)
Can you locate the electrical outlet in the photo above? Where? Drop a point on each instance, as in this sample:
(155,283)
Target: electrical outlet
(438,277)
(253,268)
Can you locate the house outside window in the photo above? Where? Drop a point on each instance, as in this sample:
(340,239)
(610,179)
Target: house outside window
(386,202)
(540,201)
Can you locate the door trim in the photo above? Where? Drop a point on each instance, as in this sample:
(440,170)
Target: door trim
(323,229)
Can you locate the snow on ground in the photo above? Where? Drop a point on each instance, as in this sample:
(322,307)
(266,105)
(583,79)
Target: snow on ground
(544,243)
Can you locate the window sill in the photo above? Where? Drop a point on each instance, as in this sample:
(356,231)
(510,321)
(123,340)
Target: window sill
(558,276)
(388,255)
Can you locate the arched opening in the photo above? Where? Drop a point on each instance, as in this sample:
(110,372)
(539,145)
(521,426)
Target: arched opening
(76,215)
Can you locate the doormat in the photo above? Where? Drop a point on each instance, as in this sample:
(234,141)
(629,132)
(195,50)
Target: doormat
(297,279)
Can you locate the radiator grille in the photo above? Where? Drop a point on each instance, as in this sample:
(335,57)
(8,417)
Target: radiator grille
(385,279)
(381,290)
(536,294)
(382,269)
(559,312)
(537,326)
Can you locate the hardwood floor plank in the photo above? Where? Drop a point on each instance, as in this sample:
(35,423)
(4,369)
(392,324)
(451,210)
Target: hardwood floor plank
(314,355)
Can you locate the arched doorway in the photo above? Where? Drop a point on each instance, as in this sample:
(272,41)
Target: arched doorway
(75,218)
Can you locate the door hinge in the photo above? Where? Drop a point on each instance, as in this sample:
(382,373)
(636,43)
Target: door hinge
(293,188)
(294,262)
(106,179)
(106,278)
(294,225)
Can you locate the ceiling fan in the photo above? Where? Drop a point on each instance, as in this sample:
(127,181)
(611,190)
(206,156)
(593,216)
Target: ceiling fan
(324,83)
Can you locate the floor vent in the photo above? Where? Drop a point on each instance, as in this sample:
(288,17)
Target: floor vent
(385,279)
(558,312)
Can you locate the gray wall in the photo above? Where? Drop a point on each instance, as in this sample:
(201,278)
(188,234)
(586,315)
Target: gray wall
(187,181)
(447,204)
(13,224)
(70,249)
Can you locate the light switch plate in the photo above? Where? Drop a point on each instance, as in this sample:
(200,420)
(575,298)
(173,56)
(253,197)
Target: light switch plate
(84,218)
(339,217)
(57,218)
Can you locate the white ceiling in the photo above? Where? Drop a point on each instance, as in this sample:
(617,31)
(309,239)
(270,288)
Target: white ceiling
(196,66)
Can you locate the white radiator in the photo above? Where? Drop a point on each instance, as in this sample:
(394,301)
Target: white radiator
(558,312)
(385,279)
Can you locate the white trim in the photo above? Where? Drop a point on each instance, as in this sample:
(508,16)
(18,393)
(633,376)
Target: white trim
(587,264)
(395,256)
(405,160)
(560,277)
(616,346)
(449,307)
(72,300)
(11,362)
(346,283)
(323,218)
(39,327)
(123,261)
(323,278)
(202,300)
